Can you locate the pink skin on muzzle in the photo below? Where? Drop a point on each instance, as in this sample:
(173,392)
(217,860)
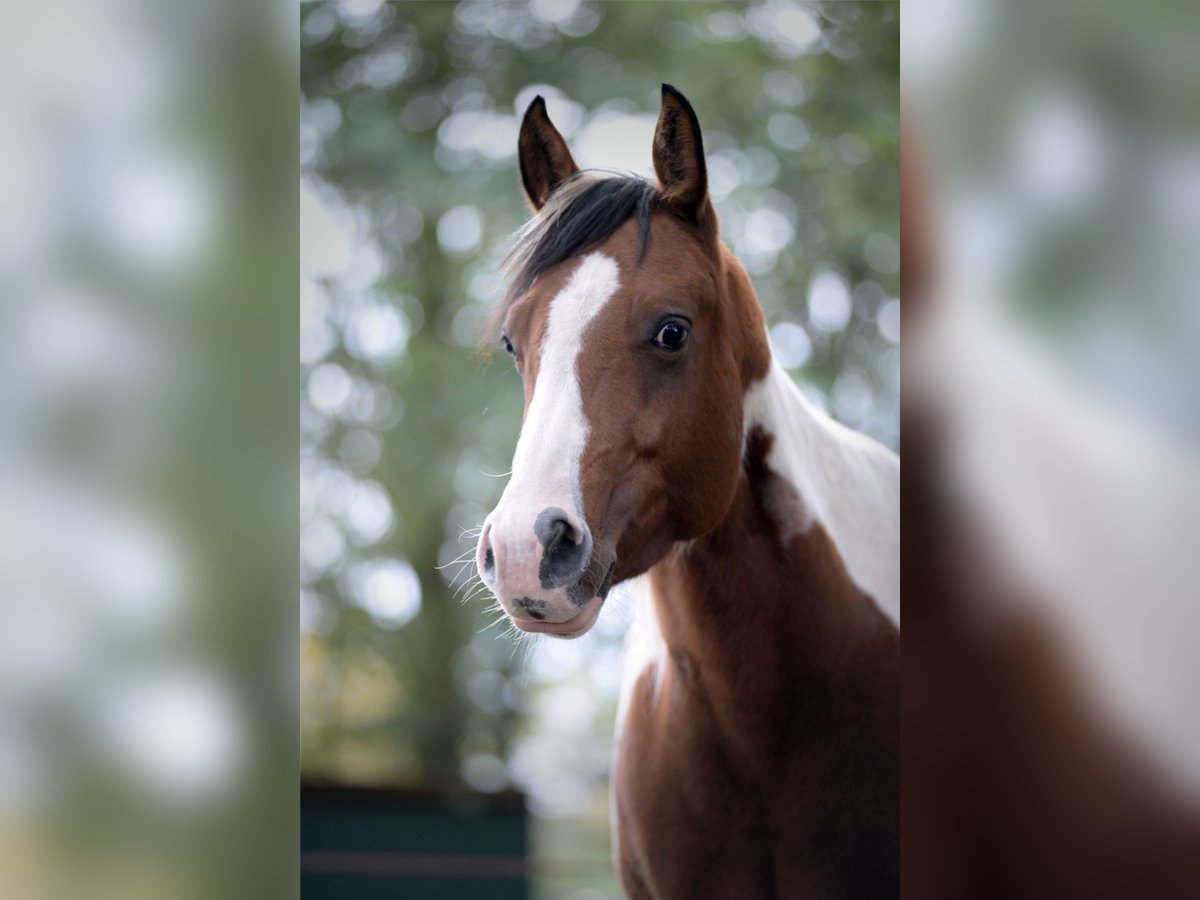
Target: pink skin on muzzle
(542,567)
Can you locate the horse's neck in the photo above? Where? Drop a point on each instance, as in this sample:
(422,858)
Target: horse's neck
(843,482)
(796,581)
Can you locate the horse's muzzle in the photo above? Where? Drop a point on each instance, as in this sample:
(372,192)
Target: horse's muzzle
(547,572)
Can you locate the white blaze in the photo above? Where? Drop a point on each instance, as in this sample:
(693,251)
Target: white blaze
(545,468)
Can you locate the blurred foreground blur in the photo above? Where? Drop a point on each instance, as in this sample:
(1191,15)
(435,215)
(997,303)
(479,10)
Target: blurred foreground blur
(147,450)
(1051,179)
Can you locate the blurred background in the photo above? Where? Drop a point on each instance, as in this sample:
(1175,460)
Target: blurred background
(1052,495)
(409,196)
(148,275)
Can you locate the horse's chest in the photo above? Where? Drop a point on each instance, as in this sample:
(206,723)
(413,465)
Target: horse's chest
(667,781)
(687,796)
(759,808)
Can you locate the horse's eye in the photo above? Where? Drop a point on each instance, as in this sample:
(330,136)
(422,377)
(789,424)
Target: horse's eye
(671,335)
(508,345)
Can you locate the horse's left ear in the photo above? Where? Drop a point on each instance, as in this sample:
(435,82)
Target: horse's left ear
(679,155)
(545,160)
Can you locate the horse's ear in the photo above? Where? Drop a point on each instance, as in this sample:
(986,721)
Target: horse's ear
(679,155)
(545,160)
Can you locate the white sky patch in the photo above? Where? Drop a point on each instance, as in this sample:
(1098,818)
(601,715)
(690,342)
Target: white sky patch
(566,114)
(939,36)
(888,320)
(388,589)
(767,231)
(377,332)
(365,268)
(829,302)
(1059,151)
(723,176)
(489,134)
(369,515)
(789,29)
(321,545)
(621,140)
(72,335)
(788,132)
(329,387)
(797,26)
(460,230)
(326,235)
(158,211)
(177,732)
(554,10)
(359,11)
(790,344)
(136,571)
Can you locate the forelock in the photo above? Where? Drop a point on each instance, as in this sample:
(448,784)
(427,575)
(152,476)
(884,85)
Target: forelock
(583,211)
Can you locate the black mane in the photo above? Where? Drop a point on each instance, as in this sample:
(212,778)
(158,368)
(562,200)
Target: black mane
(587,216)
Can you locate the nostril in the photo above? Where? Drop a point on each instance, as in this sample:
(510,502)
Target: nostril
(553,526)
(566,547)
(487,558)
(556,530)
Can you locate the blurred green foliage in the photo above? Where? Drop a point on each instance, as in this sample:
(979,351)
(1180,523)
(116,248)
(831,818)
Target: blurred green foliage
(148,521)
(410,193)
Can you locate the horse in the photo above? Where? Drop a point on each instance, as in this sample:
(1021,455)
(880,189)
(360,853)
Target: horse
(757,750)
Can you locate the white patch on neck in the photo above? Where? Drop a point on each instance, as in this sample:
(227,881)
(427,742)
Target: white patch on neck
(846,482)
(547,459)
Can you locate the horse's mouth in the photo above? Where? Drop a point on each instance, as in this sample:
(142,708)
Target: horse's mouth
(571,628)
(605,585)
(595,580)
(594,589)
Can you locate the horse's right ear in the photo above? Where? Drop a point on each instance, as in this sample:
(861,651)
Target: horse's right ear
(679,156)
(543,155)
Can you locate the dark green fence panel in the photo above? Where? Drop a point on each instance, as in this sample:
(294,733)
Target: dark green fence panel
(362,844)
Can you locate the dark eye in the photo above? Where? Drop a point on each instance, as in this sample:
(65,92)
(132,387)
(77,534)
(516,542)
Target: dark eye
(508,345)
(671,335)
